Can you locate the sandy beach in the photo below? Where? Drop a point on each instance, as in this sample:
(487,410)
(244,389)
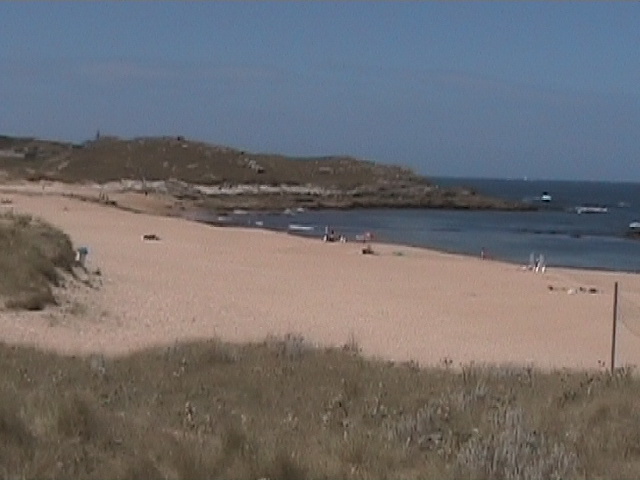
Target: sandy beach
(402,304)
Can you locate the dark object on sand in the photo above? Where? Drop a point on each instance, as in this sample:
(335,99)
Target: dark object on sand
(367,250)
(150,236)
(588,290)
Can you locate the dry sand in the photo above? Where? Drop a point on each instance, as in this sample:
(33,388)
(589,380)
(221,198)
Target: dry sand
(239,284)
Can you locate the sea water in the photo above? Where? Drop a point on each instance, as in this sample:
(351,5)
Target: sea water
(564,237)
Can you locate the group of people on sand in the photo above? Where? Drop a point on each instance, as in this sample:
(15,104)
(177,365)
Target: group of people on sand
(537,263)
(331,236)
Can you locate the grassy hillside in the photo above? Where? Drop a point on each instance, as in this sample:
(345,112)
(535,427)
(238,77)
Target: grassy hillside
(344,182)
(283,410)
(161,158)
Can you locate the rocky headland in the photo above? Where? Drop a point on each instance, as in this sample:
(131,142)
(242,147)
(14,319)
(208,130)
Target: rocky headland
(223,178)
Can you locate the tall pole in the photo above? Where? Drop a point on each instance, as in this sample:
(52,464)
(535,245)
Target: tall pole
(615,322)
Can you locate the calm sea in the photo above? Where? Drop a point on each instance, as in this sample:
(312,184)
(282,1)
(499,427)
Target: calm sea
(564,237)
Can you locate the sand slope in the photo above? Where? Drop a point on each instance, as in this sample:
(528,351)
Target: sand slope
(239,284)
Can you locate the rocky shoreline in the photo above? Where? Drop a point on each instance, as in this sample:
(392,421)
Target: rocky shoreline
(258,197)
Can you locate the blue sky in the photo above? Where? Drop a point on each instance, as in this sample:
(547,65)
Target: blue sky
(496,89)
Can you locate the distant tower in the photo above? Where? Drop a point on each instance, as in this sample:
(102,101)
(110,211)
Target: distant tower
(97,135)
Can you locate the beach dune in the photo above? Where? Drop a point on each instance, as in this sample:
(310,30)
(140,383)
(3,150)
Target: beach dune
(402,304)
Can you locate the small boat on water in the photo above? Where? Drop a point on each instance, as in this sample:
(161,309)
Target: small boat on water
(300,228)
(545,197)
(634,230)
(591,209)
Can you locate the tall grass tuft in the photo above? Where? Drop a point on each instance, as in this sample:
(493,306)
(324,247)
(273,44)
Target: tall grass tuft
(32,256)
(511,450)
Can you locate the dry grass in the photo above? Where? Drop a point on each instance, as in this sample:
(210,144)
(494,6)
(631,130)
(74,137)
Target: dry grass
(283,409)
(355,183)
(32,256)
(161,158)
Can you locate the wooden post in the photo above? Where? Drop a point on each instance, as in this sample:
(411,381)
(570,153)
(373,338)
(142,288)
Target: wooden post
(615,322)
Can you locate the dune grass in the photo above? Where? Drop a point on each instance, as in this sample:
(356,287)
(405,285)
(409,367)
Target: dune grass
(32,256)
(282,409)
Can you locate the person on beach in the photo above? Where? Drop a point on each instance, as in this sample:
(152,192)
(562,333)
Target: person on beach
(329,235)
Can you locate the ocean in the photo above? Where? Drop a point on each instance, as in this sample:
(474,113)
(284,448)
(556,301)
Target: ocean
(564,237)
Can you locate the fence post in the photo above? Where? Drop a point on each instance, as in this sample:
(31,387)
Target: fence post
(615,322)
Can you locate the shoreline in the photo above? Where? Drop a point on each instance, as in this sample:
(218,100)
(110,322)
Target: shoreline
(188,212)
(242,284)
(214,223)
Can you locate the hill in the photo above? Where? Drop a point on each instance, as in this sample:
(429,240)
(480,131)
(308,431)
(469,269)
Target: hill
(329,182)
(159,158)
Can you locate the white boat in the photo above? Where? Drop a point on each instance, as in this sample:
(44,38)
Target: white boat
(634,230)
(545,197)
(591,209)
(301,228)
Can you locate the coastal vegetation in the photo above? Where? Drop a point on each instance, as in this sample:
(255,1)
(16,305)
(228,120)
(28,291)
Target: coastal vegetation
(188,169)
(33,258)
(284,409)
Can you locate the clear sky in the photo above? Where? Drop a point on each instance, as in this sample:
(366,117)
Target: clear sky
(496,89)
